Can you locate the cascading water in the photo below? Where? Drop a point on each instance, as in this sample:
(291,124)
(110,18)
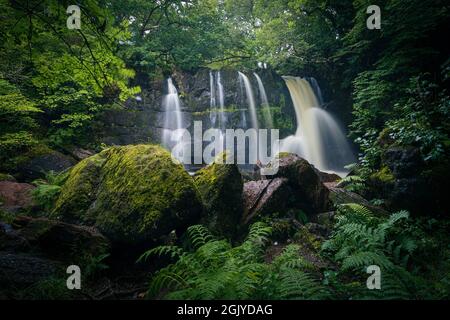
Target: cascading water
(243,111)
(173,117)
(212,90)
(264,102)
(220,91)
(250,100)
(315,86)
(319,138)
(217,100)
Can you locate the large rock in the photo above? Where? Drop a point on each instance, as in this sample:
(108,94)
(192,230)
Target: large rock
(23,269)
(265,197)
(311,194)
(340,196)
(15,196)
(220,186)
(132,194)
(41,160)
(403,162)
(61,240)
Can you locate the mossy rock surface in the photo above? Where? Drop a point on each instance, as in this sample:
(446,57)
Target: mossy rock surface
(220,186)
(132,194)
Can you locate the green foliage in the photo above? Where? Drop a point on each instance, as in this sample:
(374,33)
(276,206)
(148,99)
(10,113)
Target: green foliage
(215,270)
(352,183)
(47,190)
(93,265)
(47,289)
(360,239)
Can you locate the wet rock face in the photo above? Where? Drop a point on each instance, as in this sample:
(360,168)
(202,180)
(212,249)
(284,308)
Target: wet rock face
(132,194)
(142,120)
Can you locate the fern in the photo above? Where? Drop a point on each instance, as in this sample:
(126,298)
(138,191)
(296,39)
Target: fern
(216,270)
(199,235)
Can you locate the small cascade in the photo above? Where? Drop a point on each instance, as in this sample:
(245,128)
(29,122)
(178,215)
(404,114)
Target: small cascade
(221,94)
(173,117)
(318,138)
(250,100)
(264,102)
(217,100)
(317,91)
(212,90)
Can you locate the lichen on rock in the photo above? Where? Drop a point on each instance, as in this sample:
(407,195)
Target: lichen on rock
(220,186)
(130,193)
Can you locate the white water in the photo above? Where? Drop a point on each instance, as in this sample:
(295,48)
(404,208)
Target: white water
(217,95)
(212,90)
(250,100)
(318,138)
(173,117)
(223,117)
(264,102)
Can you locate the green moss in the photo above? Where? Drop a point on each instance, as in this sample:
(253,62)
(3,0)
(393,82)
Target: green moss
(220,186)
(384,175)
(131,193)
(6,177)
(79,191)
(306,238)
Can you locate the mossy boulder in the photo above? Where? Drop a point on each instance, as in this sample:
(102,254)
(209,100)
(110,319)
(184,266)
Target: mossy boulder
(132,194)
(220,186)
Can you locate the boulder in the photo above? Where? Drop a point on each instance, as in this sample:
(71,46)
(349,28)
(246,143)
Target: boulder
(340,196)
(403,161)
(265,197)
(24,269)
(61,240)
(40,160)
(132,194)
(80,153)
(311,194)
(327,177)
(15,196)
(220,186)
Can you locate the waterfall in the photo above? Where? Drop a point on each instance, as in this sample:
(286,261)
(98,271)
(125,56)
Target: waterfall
(220,91)
(250,99)
(173,117)
(217,91)
(316,89)
(212,90)
(264,102)
(318,138)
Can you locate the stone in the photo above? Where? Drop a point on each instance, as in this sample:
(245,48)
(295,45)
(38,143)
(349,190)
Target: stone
(131,194)
(15,196)
(220,186)
(264,197)
(310,192)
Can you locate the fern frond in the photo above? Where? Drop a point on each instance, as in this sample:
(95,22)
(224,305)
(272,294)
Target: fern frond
(199,235)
